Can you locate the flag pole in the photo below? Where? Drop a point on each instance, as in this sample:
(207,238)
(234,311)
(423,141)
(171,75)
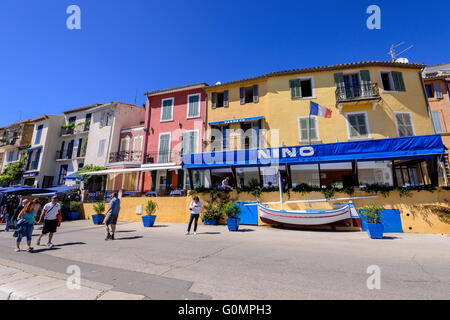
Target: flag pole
(280,187)
(309,128)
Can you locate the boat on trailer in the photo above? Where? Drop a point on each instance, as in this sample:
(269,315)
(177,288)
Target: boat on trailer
(305,217)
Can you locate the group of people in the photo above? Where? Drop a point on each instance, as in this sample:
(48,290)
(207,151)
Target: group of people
(28,214)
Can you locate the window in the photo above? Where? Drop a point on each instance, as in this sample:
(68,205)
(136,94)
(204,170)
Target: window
(189,142)
(375,172)
(61,151)
(101,148)
(430,91)
(109,118)
(301,88)
(201,179)
(80,144)
(352,86)
(250,134)
(194,105)
(437,90)
(48,182)
(62,173)
(249,94)
(244,175)
(404,124)
(219,138)
(87,121)
(167,109)
(437,123)
(102,118)
(357,125)
(35,163)
(125,144)
(70,149)
(164,148)
(392,81)
(38,134)
(219,99)
(11,157)
(303,127)
(305,174)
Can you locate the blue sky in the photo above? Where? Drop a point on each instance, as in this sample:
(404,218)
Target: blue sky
(135,46)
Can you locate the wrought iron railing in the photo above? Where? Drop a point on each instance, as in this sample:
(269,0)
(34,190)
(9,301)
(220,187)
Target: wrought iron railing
(125,156)
(162,157)
(357,92)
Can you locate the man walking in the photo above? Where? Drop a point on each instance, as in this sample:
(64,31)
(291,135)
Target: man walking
(111,220)
(50,214)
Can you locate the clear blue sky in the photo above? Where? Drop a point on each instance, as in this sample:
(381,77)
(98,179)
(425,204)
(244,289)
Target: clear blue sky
(132,46)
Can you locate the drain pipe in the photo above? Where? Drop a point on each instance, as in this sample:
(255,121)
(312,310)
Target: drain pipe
(144,150)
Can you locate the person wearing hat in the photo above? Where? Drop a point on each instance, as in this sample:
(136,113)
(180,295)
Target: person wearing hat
(50,214)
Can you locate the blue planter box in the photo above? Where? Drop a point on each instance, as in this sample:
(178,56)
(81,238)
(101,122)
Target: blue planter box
(148,221)
(210,222)
(73,215)
(375,230)
(98,218)
(233,224)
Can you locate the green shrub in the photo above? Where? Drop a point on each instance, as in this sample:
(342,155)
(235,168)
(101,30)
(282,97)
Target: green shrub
(150,208)
(231,210)
(372,213)
(74,206)
(100,207)
(211,211)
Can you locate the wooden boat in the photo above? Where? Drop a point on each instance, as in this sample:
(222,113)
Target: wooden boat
(303,218)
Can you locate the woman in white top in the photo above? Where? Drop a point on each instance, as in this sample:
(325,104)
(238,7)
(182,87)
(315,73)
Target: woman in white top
(195,208)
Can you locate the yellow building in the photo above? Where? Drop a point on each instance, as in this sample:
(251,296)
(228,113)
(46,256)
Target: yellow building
(369,100)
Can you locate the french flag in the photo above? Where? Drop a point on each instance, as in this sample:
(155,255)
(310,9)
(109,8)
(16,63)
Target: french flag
(318,110)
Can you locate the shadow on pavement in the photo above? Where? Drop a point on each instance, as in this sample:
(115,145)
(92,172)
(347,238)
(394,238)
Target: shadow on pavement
(45,249)
(128,238)
(124,231)
(390,238)
(209,233)
(69,244)
(245,230)
(160,226)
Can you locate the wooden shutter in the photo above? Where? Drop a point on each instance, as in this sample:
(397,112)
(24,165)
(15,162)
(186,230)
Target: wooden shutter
(304,129)
(180,175)
(437,90)
(436,118)
(242,95)
(255,93)
(399,84)
(340,86)
(225,98)
(213,100)
(296,88)
(366,83)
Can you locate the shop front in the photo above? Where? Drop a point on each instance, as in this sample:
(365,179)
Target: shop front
(401,162)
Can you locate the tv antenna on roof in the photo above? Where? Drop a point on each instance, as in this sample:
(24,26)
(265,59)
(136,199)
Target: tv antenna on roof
(394,55)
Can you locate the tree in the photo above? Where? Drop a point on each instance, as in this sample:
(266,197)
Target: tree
(13,172)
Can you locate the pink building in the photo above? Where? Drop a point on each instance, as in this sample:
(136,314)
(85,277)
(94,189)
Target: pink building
(175,124)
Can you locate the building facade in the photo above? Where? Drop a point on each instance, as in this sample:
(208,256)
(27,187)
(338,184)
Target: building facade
(175,125)
(369,101)
(40,167)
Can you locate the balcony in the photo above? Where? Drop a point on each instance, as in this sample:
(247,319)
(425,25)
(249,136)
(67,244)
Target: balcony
(125,156)
(162,157)
(63,155)
(353,93)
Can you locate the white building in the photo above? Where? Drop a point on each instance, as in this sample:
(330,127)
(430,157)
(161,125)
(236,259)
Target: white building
(72,144)
(40,167)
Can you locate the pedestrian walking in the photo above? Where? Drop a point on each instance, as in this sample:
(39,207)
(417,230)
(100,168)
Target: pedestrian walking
(27,215)
(50,214)
(113,215)
(195,208)
(19,209)
(7,215)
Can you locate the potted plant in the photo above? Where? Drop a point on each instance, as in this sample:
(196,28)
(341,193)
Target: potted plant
(211,214)
(232,211)
(373,217)
(99,208)
(149,218)
(74,212)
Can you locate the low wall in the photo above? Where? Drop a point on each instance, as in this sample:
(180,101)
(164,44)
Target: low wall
(415,215)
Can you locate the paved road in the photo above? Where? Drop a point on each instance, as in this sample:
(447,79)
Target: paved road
(256,263)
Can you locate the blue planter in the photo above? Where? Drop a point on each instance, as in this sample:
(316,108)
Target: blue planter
(148,221)
(74,215)
(375,230)
(210,222)
(98,218)
(233,224)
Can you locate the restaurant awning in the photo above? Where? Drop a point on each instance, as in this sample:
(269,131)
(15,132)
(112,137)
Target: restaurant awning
(236,120)
(418,147)
(127,170)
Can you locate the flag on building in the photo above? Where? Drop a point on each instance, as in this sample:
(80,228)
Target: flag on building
(318,110)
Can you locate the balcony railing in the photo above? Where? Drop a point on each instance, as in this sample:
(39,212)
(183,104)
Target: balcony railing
(125,156)
(162,157)
(357,92)
(63,155)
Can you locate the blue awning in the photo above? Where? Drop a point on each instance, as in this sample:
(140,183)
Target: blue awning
(236,120)
(73,176)
(63,189)
(34,148)
(418,147)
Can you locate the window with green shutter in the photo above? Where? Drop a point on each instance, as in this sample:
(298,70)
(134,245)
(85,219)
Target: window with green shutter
(193,106)
(167,109)
(164,148)
(399,84)
(404,124)
(437,123)
(357,125)
(304,131)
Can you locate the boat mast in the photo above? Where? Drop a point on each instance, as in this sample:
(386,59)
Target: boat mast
(280,187)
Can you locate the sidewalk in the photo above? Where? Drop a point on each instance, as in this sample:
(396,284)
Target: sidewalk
(23,282)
